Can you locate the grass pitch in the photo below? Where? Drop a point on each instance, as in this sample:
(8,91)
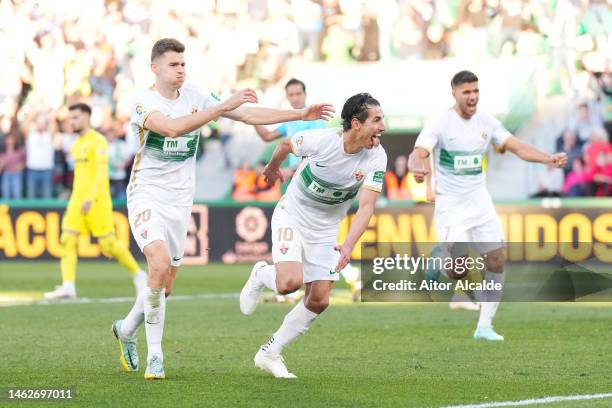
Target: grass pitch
(409,355)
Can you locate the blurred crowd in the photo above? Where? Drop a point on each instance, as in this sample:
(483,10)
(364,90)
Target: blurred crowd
(589,158)
(57,52)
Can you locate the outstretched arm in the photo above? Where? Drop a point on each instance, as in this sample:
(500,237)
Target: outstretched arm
(265,134)
(367,203)
(267,116)
(530,153)
(175,127)
(418,164)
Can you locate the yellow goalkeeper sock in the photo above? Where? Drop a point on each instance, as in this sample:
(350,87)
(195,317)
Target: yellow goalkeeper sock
(111,246)
(68,261)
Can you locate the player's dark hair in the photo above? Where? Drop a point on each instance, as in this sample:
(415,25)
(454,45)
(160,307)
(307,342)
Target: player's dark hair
(164,45)
(463,77)
(357,107)
(294,81)
(83,107)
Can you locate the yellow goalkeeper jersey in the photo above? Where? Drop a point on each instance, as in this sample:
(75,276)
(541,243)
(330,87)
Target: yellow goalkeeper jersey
(90,156)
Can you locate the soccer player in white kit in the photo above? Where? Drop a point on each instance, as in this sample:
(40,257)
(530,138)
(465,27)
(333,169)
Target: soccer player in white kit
(464,211)
(338,164)
(167,118)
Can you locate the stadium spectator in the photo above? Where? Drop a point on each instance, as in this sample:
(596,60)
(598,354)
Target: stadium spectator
(97,51)
(308,16)
(568,143)
(597,154)
(66,139)
(577,180)
(119,157)
(245,180)
(12,165)
(550,182)
(584,123)
(337,45)
(602,177)
(38,131)
(603,89)
(396,180)
(562,41)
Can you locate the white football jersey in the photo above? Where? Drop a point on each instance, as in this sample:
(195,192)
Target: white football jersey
(327,181)
(458,147)
(165,166)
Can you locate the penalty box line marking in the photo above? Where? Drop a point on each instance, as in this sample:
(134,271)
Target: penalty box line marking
(535,401)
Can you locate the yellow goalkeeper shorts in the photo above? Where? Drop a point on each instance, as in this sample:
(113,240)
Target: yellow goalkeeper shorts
(98,221)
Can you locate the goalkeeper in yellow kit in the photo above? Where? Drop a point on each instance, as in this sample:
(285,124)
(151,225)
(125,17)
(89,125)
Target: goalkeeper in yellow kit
(90,208)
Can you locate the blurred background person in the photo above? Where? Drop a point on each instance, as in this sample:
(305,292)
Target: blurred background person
(119,157)
(12,165)
(38,131)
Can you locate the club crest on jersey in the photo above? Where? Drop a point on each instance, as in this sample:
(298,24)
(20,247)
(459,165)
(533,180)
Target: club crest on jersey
(144,234)
(194,109)
(284,250)
(484,135)
(139,109)
(359,175)
(299,140)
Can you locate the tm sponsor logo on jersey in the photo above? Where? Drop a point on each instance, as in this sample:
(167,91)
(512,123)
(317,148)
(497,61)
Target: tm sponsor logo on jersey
(320,165)
(177,258)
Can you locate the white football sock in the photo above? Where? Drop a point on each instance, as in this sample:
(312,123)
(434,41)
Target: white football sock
(492,299)
(297,321)
(267,276)
(154,311)
(69,286)
(134,318)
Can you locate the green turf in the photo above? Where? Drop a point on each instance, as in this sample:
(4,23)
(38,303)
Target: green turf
(409,355)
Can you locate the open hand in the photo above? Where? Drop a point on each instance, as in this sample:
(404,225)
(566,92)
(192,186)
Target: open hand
(246,95)
(323,111)
(345,256)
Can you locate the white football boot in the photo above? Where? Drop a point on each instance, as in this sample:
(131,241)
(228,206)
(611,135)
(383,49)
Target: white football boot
(275,365)
(249,296)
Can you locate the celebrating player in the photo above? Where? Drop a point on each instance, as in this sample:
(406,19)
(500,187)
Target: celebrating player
(168,118)
(464,210)
(90,209)
(295,91)
(340,163)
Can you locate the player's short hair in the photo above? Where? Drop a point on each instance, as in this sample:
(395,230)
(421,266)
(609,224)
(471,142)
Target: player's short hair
(357,107)
(164,45)
(83,107)
(294,81)
(463,77)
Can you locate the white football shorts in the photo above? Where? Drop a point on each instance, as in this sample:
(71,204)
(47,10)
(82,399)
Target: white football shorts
(319,259)
(469,218)
(151,221)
